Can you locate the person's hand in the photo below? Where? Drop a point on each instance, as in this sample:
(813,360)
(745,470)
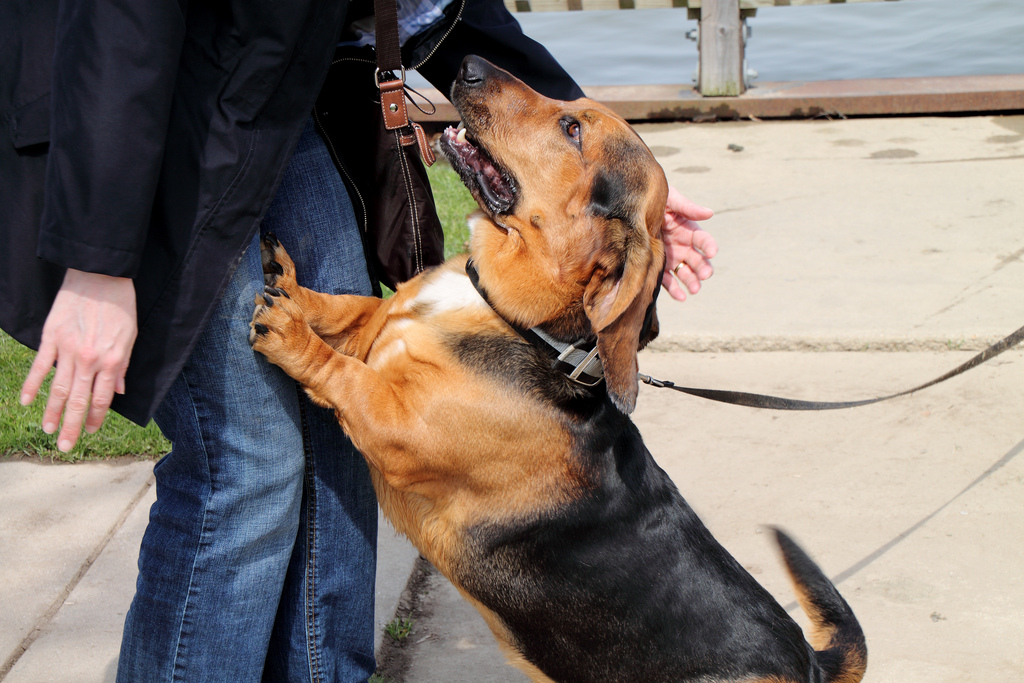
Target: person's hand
(688,249)
(89,333)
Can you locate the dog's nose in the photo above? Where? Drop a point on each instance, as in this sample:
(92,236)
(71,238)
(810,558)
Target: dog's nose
(473,71)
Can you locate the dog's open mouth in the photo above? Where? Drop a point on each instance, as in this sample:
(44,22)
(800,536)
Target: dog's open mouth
(493,187)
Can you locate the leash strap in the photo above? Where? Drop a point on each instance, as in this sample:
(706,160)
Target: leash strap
(741,398)
(585,372)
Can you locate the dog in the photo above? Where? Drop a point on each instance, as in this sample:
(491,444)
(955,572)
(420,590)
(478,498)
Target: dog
(490,397)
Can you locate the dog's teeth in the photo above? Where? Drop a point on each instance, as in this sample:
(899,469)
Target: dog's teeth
(461,126)
(461,137)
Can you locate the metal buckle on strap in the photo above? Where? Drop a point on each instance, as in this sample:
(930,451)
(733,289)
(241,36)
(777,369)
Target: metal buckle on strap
(376,75)
(582,371)
(595,377)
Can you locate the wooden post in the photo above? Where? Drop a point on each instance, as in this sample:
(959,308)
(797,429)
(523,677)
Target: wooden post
(721,48)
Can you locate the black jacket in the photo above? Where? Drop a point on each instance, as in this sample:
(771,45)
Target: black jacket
(150,143)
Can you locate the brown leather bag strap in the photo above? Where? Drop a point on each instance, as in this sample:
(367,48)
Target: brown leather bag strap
(389,49)
(390,73)
(392,90)
(392,104)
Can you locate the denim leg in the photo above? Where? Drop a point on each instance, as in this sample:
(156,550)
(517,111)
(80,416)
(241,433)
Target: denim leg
(258,561)
(325,623)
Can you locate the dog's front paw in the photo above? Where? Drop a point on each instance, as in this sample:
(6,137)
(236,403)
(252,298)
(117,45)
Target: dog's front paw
(278,267)
(278,329)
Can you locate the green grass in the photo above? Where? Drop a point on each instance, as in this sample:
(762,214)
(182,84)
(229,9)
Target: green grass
(20,430)
(21,433)
(453,203)
(398,628)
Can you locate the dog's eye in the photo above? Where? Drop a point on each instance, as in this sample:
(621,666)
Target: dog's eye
(572,129)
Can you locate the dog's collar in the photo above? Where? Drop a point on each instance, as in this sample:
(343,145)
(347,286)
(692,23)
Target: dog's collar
(579,361)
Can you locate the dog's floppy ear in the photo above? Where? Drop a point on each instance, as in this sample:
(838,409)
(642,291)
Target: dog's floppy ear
(616,302)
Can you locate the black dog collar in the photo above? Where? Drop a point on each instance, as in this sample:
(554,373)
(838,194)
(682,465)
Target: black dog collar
(579,361)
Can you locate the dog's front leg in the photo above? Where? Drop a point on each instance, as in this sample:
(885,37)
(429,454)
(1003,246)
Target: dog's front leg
(369,408)
(335,318)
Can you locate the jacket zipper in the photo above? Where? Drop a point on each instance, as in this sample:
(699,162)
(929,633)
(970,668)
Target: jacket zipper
(410,198)
(437,45)
(458,16)
(341,167)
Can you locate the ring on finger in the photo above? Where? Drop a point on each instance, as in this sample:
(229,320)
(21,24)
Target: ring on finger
(678,266)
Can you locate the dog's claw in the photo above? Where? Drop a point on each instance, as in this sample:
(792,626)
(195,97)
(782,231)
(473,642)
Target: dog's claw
(260,328)
(276,268)
(276,291)
(270,239)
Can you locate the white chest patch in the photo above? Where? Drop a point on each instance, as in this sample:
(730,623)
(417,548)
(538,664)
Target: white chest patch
(448,292)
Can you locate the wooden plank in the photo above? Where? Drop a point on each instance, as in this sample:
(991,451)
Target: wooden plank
(721,49)
(756,4)
(797,99)
(571,5)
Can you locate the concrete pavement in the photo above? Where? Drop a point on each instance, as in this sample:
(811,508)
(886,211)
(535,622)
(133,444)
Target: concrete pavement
(857,258)
(70,542)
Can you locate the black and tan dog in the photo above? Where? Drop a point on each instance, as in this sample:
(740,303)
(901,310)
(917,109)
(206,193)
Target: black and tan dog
(519,475)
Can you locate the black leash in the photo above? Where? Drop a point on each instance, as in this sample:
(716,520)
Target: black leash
(741,398)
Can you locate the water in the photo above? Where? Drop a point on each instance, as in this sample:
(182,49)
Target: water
(908,38)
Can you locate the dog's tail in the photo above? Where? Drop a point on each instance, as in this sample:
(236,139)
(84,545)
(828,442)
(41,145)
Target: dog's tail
(835,635)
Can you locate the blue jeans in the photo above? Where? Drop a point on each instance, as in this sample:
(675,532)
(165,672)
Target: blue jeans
(258,562)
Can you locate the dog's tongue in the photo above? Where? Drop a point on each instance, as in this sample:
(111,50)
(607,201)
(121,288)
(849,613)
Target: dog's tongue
(487,175)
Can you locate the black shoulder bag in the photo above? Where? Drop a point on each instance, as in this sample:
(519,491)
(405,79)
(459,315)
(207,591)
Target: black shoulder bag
(361,112)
